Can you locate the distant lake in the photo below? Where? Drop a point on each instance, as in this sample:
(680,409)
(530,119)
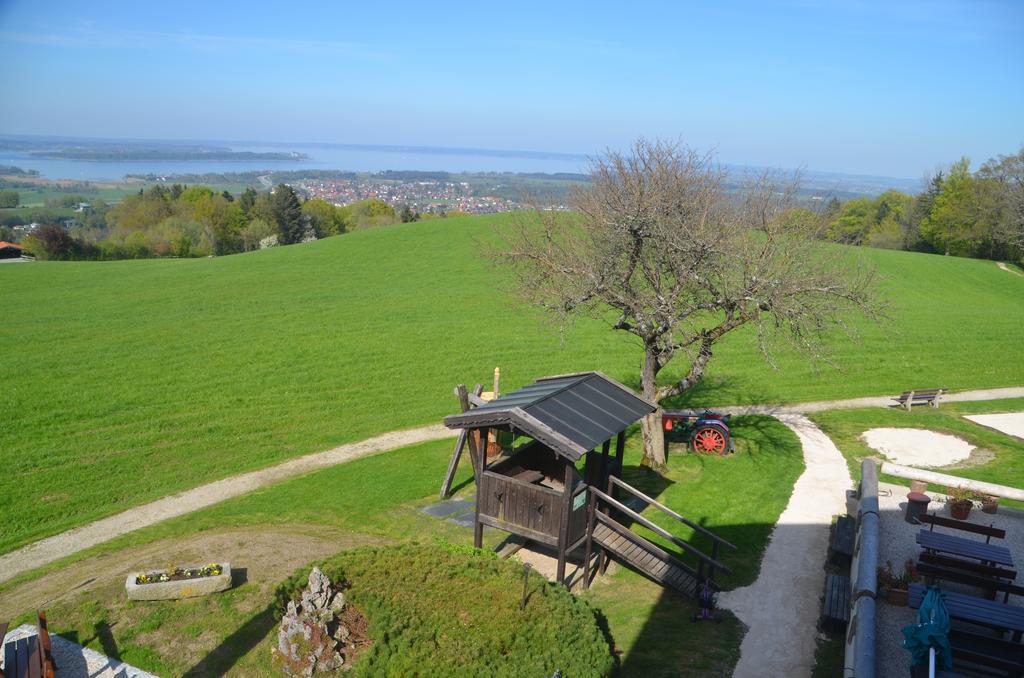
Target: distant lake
(321,156)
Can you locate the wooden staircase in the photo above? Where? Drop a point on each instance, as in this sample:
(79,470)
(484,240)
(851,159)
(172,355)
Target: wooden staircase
(629,548)
(643,556)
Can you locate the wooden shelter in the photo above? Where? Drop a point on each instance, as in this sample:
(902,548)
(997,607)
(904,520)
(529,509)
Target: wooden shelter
(535,488)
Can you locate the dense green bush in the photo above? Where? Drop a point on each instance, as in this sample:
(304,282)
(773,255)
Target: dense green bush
(435,610)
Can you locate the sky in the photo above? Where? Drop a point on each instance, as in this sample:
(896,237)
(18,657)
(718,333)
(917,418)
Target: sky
(886,88)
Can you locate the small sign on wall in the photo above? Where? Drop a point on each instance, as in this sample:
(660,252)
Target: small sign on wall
(579,500)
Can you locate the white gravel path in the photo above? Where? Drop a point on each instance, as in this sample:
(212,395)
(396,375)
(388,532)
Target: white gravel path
(75,661)
(58,546)
(1010,423)
(780,609)
(917,446)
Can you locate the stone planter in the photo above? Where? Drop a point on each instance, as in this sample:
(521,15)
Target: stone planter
(182,588)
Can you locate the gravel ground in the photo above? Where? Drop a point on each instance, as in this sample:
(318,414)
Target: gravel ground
(897,544)
(1010,423)
(75,661)
(917,446)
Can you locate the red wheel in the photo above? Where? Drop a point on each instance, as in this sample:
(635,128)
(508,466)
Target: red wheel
(709,441)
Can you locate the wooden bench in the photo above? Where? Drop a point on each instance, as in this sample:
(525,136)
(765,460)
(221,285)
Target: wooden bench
(987,531)
(529,476)
(924,396)
(961,547)
(974,610)
(988,584)
(29,657)
(844,534)
(835,612)
(978,650)
(967,566)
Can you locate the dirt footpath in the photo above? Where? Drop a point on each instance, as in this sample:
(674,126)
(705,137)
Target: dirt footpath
(59,546)
(266,554)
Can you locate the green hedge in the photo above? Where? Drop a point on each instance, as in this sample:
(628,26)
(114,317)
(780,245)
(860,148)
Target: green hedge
(434,610)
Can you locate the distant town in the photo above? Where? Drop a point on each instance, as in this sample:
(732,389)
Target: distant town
(433,197)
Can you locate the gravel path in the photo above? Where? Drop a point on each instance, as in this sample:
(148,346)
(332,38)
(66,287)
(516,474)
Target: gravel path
(1008,269)
(874,401)
(58,546)
(780,609)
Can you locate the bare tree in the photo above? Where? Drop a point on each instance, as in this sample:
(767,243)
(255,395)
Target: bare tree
(658,247)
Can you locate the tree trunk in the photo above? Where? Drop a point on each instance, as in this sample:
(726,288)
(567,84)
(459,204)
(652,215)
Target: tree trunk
(654,441)
(650,426)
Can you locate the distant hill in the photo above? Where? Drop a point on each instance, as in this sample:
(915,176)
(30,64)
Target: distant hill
(128,380)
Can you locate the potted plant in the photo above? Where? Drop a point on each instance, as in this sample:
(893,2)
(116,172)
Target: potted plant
(989,503)
(961,501)
(895,584)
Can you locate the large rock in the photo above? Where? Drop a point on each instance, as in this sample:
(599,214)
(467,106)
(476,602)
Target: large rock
(311,630)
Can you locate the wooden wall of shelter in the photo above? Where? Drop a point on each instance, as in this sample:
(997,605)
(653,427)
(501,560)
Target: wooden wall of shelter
(535,490)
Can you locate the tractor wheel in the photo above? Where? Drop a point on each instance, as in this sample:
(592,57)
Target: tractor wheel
(709,441)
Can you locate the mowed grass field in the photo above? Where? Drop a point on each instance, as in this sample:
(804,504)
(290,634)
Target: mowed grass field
(126,381)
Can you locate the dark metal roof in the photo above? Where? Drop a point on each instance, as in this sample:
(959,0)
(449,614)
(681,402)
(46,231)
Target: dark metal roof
(572,414)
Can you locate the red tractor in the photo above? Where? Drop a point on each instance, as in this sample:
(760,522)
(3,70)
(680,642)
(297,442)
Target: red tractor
(706,433)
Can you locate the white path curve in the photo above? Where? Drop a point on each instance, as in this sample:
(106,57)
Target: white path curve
(780,609)
(67,543)
(58,546)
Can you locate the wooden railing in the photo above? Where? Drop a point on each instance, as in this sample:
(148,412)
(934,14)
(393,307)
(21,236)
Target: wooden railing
(707,565)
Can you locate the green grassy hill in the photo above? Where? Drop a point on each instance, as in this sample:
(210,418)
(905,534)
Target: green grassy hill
(129,380)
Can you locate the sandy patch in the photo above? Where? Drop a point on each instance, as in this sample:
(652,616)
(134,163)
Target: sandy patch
(1010,423)
(268,554)
(917,447)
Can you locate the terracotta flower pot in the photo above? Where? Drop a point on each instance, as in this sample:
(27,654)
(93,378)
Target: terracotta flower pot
(960,509)
(918,486)
(897,597)
(990,504)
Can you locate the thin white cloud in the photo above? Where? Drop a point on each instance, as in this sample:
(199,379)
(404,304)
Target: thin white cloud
(90,37)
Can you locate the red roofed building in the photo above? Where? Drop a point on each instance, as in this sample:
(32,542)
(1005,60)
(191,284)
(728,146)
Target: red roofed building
(9,250)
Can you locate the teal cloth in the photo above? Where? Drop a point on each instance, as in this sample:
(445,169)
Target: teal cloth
(931,630)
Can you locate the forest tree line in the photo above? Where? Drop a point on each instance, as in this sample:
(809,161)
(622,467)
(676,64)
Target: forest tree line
(195,221)
(963,213)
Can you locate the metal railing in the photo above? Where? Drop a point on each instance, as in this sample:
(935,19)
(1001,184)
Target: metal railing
(860,633)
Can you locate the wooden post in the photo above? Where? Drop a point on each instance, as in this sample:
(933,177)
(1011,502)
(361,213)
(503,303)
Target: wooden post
(909,402)
(563,527)
(620,450)
(591,501)
(479,463)
(453,464)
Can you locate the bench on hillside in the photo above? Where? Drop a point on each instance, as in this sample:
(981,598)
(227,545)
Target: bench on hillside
(924,396)
(835,613)
(29,657)
(962,525)
(844,534)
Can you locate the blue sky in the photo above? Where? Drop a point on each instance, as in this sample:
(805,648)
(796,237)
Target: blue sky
(892,88)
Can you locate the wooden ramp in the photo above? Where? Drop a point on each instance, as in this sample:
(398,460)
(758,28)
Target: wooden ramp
(635,552)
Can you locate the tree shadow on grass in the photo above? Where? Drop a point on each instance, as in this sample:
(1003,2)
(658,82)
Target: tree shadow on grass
(237,645)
